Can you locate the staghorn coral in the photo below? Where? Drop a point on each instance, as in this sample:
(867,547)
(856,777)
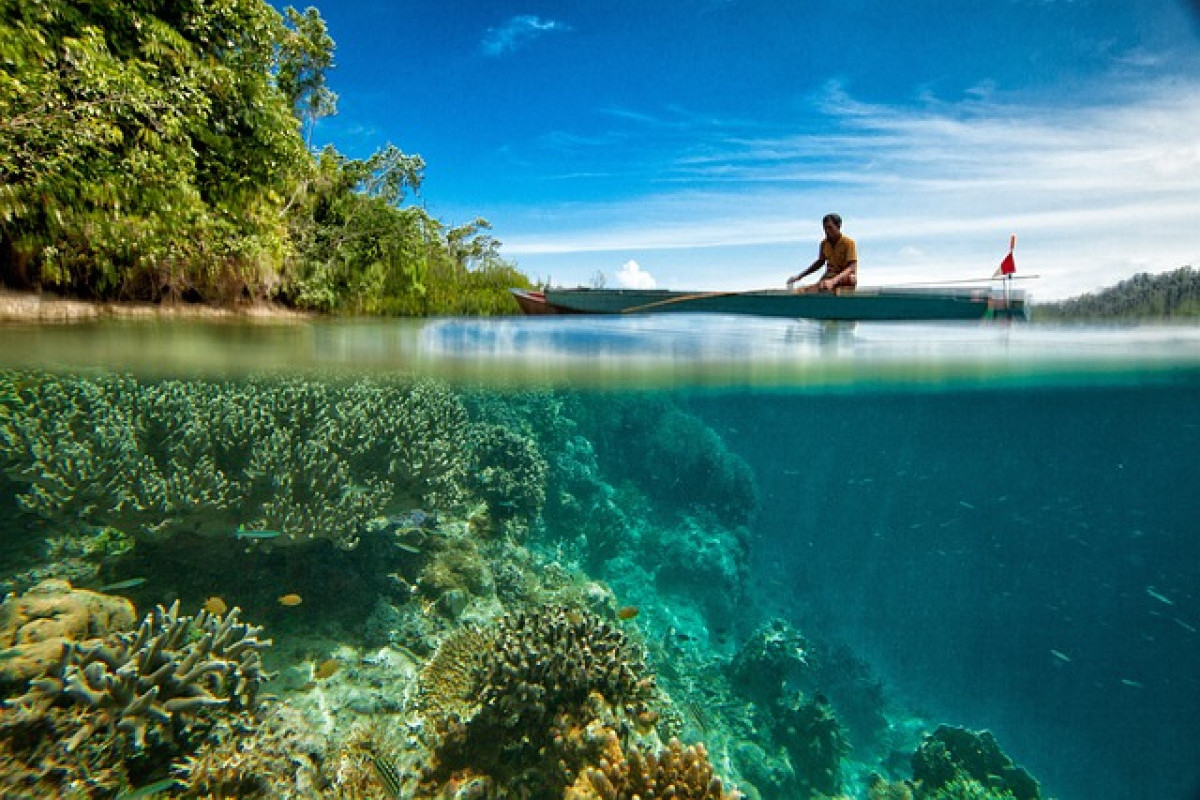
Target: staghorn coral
(151,680)
(309,460)
(675,771)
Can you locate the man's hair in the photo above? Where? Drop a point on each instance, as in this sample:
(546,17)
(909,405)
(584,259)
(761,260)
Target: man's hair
(836,219)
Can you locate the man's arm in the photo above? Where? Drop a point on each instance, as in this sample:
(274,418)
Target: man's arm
(813,267)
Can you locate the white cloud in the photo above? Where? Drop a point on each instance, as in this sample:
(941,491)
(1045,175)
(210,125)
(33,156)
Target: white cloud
(1095,191)
(632,276)
(518,32)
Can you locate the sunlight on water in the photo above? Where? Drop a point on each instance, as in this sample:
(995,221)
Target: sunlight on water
(655,351)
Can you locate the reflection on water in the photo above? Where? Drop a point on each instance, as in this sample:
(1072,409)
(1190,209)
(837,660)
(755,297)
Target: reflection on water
(652,349)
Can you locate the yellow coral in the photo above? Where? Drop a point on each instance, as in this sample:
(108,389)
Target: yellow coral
(684,773)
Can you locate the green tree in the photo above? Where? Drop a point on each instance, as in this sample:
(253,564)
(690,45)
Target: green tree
(305,56)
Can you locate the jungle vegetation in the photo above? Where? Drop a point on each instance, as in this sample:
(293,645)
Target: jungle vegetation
(1171,295)
(160,149)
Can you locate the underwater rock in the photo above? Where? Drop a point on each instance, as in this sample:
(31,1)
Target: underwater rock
(815,743)
(774,653)
(35,626)
(950,754)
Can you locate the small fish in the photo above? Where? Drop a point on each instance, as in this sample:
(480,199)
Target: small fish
(291,600)
(1184,625)
(1131,683)
(256,534)
(216,606)
(627,612)
(132,583)
(408,548)
(965,504)
(148,790)
(1061,656)
(388,774)
(411,520)
(1159,596)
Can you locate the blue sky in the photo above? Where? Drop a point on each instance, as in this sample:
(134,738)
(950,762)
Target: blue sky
(697,143)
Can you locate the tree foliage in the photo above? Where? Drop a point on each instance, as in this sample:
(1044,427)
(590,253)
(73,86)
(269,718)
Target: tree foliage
(1144,296)
(155,150)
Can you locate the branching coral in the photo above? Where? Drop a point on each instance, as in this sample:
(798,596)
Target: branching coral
(684,773)
(150,680)
(304,459)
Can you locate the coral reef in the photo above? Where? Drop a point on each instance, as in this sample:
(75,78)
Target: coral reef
(501,699)
(298,459)
(36,626)
(635,436)
(951,759)
(774,653)
(815,744)
(507,471)
(146,682)
(675,771)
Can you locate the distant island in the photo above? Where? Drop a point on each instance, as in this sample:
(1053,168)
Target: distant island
(1171,295)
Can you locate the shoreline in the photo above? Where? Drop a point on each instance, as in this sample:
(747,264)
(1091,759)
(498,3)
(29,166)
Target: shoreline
(35,308)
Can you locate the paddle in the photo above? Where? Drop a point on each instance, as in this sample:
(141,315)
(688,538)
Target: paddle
(684,299)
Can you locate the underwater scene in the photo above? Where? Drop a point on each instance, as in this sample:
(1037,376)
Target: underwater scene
(598,560)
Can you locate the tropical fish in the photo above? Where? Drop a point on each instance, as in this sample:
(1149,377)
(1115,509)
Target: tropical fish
(627,612)
(215,605)
(132,583)
(1159,596)
(416,519)
(251,533)
(326,669)
(388,774)
(291,600)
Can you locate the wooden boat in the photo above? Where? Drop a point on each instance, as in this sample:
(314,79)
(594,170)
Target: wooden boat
(881,303)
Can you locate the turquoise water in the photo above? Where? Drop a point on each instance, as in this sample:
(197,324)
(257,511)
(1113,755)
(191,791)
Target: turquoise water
(992,527)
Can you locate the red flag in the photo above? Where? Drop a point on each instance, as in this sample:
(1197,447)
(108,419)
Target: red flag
(1008,266)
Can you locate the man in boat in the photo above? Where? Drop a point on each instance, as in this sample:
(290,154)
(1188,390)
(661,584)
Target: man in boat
(839,257)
